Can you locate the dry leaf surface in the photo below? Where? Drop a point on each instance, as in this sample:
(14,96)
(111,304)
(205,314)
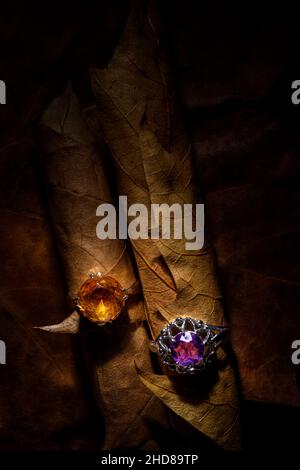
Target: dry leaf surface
(76,186)
(144,130)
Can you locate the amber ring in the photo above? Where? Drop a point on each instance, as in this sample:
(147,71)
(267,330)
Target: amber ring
(187,346)
(101,298)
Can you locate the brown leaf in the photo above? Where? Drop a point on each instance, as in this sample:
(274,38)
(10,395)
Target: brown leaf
(77,184)
(42,389)
(126,405)
(144,130)
(70,325)
(185,402)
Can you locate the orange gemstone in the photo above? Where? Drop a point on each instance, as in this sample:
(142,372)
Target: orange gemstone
(101,299)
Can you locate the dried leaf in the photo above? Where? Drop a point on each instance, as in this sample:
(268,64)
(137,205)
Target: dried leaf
(77,185)
(42,390)
(144,130)
(70,325)
(185,400)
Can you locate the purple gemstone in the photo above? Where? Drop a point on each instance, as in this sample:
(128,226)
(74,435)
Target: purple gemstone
(187,349)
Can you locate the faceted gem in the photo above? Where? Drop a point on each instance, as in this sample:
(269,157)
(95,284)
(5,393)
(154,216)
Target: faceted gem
(101,299)
(187,349)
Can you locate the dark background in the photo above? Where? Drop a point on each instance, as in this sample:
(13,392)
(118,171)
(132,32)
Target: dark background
(234,66)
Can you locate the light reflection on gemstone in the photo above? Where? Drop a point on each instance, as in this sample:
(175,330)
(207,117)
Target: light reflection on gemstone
(101,299)
(187,349)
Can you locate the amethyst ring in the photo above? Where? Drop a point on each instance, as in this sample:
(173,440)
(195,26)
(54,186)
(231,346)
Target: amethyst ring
(187,345)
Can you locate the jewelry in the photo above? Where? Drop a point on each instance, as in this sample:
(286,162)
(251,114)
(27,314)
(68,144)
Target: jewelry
(101,299)
(187,345)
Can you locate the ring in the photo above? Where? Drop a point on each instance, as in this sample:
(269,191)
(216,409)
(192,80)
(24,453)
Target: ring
(101,298)
(187,345)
